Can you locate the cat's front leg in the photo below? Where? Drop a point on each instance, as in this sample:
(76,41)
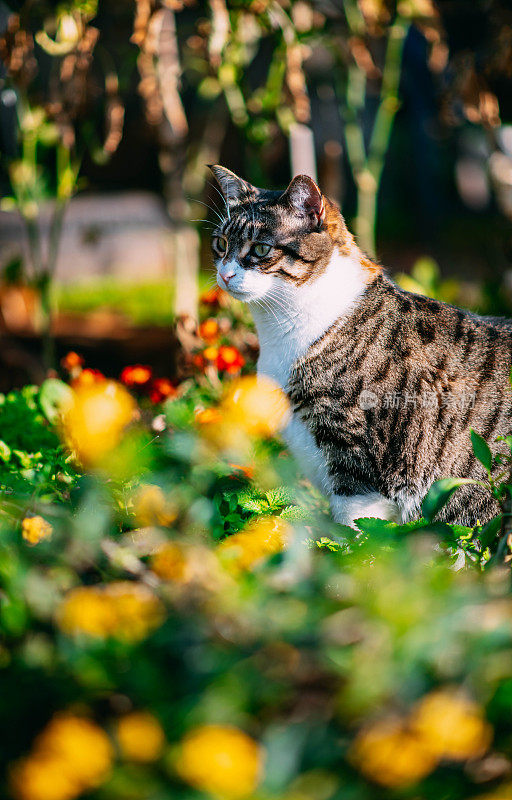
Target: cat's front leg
(347,508)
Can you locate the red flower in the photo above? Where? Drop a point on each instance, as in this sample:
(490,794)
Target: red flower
(136,375)
(212,297)
(161,389)
(209,330)
(230,360)
(71,361)
(88,377)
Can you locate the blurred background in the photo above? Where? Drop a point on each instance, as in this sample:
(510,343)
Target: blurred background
(110,111)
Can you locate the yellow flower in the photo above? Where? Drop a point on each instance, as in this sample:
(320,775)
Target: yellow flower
(43,777)
(389,754)
(152,507)
(123,610)
(96,418)
(83,745)
(221,760)
(452,725)
(261,538)
(140,737)
(34,529)
(169,562)
(257,405)
(70,756)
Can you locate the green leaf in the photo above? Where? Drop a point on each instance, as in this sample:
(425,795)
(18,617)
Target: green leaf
(54,396)
(490,531)
(293,513)
(481,450)
(5,451)
(439,494)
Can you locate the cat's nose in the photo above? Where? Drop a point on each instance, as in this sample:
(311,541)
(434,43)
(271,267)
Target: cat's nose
(226,275)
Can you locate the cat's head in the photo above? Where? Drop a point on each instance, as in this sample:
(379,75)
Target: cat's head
(270,240)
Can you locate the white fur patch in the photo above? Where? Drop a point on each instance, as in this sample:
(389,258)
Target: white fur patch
(347,509)
(303,447)
(290,318)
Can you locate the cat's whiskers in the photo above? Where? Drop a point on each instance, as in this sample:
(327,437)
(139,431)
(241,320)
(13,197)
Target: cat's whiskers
(222,198)
(210,208)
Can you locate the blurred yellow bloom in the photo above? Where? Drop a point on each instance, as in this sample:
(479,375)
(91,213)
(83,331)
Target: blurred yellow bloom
(34,529)
(123,610)
(43,777)
(94,422)
(70,756)
(140,737)
(257,405)
(221,760)
(169,562)
(389,754)
(452,725)
(262,537)
(152,507)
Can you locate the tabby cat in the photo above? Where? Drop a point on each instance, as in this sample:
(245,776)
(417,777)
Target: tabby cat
(385,385)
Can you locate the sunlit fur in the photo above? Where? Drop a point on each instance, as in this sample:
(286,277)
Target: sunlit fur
(334,331)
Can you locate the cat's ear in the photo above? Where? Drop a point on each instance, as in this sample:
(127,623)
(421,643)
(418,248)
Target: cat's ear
(234,189)
(304,196)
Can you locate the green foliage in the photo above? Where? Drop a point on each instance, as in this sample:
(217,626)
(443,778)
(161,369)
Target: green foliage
(33,463)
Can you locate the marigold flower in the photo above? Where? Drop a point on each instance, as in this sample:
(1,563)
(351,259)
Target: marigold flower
(82,744)
(71,361)
(34,529)
(198,361)
(96,419)
(208,416)
(213,296)
(230,360)
(390,754)
(161,389)
(210,353)
(137,375)
(247,471)
(209,330)
(169,562)
(221,760)
(122,610)
(140,737)
(452,725)
(152,507)
(71,755)
(43,777)
(87,377)
(262,537)
(257,405)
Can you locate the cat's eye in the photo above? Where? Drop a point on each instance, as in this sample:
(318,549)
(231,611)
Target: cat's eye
(220,244)
(261,250)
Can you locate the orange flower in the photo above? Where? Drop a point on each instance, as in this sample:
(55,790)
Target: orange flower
(247,471)
(71,361)
(210,353)
(209,330)
(198,361)
(88,377)
(230,360)
(208,416)
(212,297)
(136,375)
(161,389)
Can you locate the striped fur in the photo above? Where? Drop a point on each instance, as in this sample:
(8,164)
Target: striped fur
(384,384)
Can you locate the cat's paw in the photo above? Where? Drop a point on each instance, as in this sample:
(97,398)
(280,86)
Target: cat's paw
(346,509)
